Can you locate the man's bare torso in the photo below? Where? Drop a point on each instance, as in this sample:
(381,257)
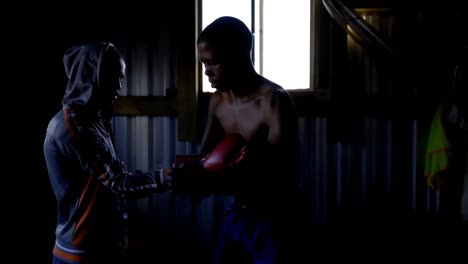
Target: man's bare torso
(249,115)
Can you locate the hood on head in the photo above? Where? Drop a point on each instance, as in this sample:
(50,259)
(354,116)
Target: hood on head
(82,66)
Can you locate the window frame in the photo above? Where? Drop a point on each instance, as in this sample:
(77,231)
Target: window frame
(313,60)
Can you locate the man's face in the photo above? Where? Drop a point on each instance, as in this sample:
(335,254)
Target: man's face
(213,70)
(112,75)
(111,80)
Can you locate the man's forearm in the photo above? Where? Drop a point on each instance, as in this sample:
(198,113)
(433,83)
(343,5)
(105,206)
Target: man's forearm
(138,182)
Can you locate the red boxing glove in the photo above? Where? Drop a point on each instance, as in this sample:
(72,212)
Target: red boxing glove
(226,153)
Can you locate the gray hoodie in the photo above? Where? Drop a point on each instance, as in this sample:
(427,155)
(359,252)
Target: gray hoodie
(89,181)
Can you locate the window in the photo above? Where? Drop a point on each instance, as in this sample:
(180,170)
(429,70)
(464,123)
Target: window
(282,34)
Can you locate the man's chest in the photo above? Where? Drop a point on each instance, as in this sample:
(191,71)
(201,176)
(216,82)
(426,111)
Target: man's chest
(246,119)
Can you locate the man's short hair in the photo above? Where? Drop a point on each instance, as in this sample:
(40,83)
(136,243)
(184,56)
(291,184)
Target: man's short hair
(229,37)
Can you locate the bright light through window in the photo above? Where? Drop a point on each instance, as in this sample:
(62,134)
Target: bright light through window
(286,43)
(282,37)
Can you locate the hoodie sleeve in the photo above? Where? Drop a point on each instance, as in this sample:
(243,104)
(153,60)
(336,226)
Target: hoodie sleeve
(95,151)
(101,163)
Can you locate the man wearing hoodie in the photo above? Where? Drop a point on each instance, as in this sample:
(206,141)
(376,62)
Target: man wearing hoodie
(89,181)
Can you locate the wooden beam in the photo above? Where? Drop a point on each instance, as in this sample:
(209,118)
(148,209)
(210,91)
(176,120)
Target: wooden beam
(146,106)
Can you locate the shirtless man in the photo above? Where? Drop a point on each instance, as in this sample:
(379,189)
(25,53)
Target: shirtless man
(265,182)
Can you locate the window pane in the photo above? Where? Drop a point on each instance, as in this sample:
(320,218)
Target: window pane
(286,43)
(212,9)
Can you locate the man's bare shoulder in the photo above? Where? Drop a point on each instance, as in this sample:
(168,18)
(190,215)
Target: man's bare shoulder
(274,93)
(216,98)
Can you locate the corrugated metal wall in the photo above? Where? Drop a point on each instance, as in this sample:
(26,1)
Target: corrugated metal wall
(381,169)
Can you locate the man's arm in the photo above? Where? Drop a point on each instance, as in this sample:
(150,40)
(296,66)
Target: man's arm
(281,151)
(213,131)
(98,161)
(189,176)
(281,119)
